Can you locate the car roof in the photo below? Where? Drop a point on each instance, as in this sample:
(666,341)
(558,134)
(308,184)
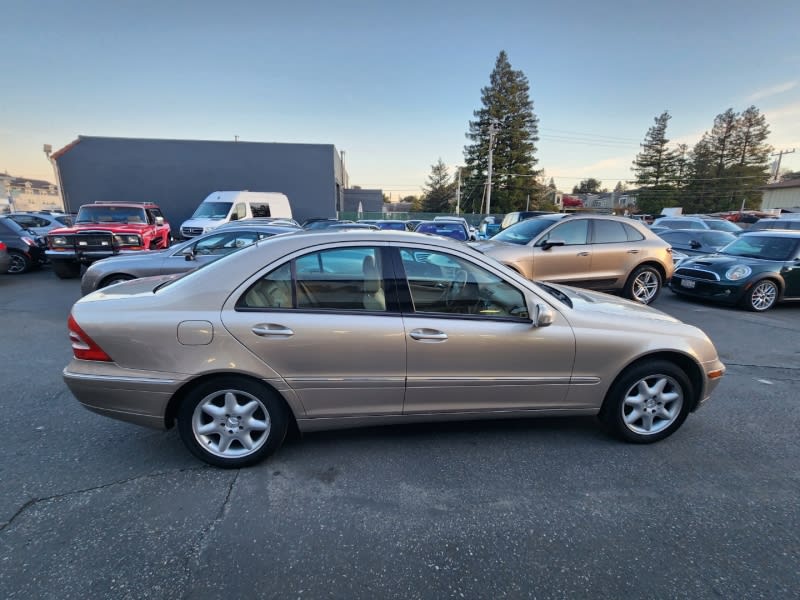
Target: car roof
(783,233)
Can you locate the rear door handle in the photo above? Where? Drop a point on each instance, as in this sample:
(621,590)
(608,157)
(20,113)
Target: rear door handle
(271,330)
(633,252)
(583,254)
(433,335)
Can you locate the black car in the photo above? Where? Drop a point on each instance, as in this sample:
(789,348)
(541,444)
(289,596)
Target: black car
(756,271)
(696,241)
(24,248)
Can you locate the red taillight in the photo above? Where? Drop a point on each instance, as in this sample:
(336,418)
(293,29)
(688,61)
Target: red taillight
(2,246)
(84,347)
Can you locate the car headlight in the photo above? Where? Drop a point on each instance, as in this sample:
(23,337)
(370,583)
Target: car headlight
(58,240)
(128,240)
(738,272)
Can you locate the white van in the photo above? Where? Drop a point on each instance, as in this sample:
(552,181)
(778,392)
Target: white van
(222,207)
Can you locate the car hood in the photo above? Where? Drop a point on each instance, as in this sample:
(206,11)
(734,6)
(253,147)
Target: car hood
(487,245)
(600,305)
(722,262)
(113,227)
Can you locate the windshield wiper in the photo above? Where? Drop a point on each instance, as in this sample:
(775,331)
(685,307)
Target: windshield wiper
(557,293)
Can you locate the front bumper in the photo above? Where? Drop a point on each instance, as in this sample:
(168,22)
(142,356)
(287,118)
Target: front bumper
(728,293)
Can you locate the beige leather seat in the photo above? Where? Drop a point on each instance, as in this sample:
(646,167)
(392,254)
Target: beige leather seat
(374,298)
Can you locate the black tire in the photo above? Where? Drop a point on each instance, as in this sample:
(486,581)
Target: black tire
(648,402)
(65,269)
(112,279)
(643,285)
(20,263)
(761,296)
(216,439)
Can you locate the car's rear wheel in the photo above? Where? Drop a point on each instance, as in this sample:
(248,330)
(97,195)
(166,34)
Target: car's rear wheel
(112,279)
(648,402)
(66,269)
(232,421)
(19,263)
(643,285)
(762,296)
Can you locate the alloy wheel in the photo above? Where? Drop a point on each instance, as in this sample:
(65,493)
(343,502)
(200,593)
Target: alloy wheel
(646,286)
(652,404)
(231,423)
(763,295)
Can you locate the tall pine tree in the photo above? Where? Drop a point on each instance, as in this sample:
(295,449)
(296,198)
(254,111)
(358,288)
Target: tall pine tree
(440,190)
(655,167)
(507,103)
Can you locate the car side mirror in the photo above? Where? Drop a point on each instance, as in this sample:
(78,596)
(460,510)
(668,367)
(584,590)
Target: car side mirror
(159,221)
(542,315)
(189,255)
(550,243)
(695,244)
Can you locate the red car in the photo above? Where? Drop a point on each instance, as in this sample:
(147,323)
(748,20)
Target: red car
(104,229)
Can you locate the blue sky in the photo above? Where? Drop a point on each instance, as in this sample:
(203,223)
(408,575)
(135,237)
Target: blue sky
(393,85)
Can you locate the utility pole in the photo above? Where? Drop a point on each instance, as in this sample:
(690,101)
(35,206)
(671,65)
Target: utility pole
(778,165)
(458,192)
(492,131)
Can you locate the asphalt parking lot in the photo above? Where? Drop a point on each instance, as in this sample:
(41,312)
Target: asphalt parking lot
(547,508)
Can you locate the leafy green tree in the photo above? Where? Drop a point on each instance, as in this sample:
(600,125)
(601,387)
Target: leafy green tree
(508,109)
(440,191)
(588,186)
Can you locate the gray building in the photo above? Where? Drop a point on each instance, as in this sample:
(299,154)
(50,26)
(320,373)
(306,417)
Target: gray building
(179,174)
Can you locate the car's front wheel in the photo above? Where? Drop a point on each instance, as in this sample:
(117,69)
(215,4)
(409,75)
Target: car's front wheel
(762,296)
(232,421)
(648,402)
(643,285)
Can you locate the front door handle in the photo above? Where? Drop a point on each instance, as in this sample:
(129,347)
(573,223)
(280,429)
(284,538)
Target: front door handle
(633,252)
(271,330)
(433,335)
(583,254)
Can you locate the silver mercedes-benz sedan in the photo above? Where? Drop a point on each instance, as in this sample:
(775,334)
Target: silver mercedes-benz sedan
(180,258)
(354,328)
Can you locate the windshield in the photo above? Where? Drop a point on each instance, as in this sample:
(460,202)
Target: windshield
(716,238)
(723,225)
(523,232)
(763,246)
(212,210)
(100,213)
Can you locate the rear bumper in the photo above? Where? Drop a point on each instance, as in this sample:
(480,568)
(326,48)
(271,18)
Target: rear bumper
(138,397)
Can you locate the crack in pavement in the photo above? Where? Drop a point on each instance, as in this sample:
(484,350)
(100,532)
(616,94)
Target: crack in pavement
(193,557)
(35,501)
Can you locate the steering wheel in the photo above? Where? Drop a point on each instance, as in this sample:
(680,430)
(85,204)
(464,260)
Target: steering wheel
(457,285)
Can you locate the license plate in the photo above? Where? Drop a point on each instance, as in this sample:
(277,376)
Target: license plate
(687,283)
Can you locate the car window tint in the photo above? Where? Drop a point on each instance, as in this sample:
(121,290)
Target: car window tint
(609,232)
(572,233)
(335,279)
(441,283)
(676,237)
(634,235)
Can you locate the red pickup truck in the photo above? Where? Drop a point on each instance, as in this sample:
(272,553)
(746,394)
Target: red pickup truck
(104,229)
